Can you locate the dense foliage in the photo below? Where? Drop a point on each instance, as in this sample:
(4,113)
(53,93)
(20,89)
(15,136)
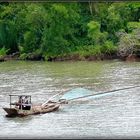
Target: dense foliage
(75,30)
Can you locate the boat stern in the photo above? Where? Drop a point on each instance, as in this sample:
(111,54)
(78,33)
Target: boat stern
(11,112)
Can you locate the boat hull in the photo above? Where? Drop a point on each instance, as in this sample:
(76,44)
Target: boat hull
(14,112)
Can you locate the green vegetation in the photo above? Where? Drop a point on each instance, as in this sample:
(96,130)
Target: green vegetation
(52,31)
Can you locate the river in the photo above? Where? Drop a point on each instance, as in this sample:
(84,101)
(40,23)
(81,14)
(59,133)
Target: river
(114,115)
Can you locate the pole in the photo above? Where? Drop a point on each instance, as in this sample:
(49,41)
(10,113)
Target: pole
(10,101)
(99,93)
(50,98)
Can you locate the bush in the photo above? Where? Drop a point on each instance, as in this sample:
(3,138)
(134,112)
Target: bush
(129,44)
(3,52)
(108,48)
(23,56)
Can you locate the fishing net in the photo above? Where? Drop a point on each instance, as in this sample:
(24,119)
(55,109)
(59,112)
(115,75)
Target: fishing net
(79,93)
(75,93)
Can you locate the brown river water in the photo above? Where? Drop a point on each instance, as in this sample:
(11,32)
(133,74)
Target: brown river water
(113,115)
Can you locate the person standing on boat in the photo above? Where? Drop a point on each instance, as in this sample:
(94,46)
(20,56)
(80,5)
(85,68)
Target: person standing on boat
(27,106)
(26,100)
(20,101)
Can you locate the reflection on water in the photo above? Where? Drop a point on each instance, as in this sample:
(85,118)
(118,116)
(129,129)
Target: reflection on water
(112,115)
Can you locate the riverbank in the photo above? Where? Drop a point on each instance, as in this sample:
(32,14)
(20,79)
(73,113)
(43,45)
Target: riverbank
(59,58)
(31,57)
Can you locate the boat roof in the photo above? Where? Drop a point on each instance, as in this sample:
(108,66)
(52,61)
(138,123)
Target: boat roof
(19,95)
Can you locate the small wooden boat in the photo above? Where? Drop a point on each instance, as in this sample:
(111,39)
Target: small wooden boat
(25,108)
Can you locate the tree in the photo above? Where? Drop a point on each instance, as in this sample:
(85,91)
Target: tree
(58,37)
(8,36)
(35,20)
(95,34)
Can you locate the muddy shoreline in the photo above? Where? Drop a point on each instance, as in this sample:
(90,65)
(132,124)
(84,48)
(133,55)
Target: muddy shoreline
(16,56)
